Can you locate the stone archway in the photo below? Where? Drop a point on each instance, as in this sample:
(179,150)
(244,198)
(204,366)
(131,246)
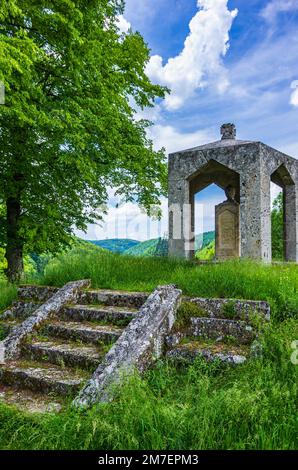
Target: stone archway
(226,214)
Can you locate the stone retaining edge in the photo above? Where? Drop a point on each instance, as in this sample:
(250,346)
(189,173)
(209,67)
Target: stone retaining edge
(141,342)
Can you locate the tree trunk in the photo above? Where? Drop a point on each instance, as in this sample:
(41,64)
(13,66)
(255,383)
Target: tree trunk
(15,244)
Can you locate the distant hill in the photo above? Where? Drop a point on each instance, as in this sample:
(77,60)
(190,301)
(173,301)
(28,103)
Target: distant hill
(204,239)
(155,247)
(159,246)
(117,245)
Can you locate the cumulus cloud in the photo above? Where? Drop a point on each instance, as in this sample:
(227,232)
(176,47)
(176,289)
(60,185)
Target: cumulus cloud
(173,140)
(273,8)
(123,25)
(294,95)
(200,61)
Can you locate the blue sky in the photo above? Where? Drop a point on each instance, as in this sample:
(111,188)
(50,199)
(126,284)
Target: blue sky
(225,61)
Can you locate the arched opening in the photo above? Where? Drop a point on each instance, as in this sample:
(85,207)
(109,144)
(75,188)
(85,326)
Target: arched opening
(283,202)
(213,184)
(205,202)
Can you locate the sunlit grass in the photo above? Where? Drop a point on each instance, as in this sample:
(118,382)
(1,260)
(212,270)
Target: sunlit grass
(252,406)
(277,284)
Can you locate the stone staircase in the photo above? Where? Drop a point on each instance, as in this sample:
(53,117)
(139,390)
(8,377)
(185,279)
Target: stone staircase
(58,358)
(222,330)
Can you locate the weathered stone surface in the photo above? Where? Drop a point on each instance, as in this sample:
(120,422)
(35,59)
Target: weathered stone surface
(215,328)
(9,348)
(37,293)
(113,298)
(83,332)
(29,401)
(8,326)
(187,353)
(20,309)
(97,313)
(142,340)
(68,354)
(247,166)
(227,231)
(238,309)
(41,378)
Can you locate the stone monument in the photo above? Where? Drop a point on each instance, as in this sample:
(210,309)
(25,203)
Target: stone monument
(227,227)
(246,169)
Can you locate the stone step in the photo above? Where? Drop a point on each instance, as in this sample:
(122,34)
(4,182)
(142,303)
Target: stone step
(21,309)
(69,354)
(42,378)
(88,333)
(233,309)
(113,298)
(29,401)
(225,353)
(97,313)
(7,326)
(36,293)
(91,296)
(219,328)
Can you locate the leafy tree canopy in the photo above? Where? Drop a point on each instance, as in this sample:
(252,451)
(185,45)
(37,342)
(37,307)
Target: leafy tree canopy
(67,128)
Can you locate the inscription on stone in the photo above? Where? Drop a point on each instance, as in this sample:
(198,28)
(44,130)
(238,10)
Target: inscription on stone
(227,230)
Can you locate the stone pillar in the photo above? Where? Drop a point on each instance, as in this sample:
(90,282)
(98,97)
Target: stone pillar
(180,220)
(290,223)
(255,221)
(227,231)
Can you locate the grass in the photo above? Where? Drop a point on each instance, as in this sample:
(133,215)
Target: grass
(7,294)
(277,284)
(252,406)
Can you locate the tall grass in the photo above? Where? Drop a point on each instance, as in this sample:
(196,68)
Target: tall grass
(277,284)
(203,407)
(8,293)
(253,406)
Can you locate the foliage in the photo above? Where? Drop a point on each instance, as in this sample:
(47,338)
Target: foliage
(228,310)
(154,247)
(7,294)
(29,264)
(206,253)
(204,239)
(277,228)
(186,311)
(159,246)
(117,245)
(67,128)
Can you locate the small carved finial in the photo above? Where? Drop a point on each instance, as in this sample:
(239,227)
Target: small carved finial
(228,131)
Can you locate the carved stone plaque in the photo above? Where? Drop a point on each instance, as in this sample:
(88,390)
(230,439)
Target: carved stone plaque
(227,230)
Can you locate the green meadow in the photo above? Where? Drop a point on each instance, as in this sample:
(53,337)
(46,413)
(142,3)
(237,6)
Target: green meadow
(203,406)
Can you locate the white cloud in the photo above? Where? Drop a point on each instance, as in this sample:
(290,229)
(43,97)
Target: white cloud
(128,221)
(273,8)
(173,140)
(123,25)
(294,95)
(200,62)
